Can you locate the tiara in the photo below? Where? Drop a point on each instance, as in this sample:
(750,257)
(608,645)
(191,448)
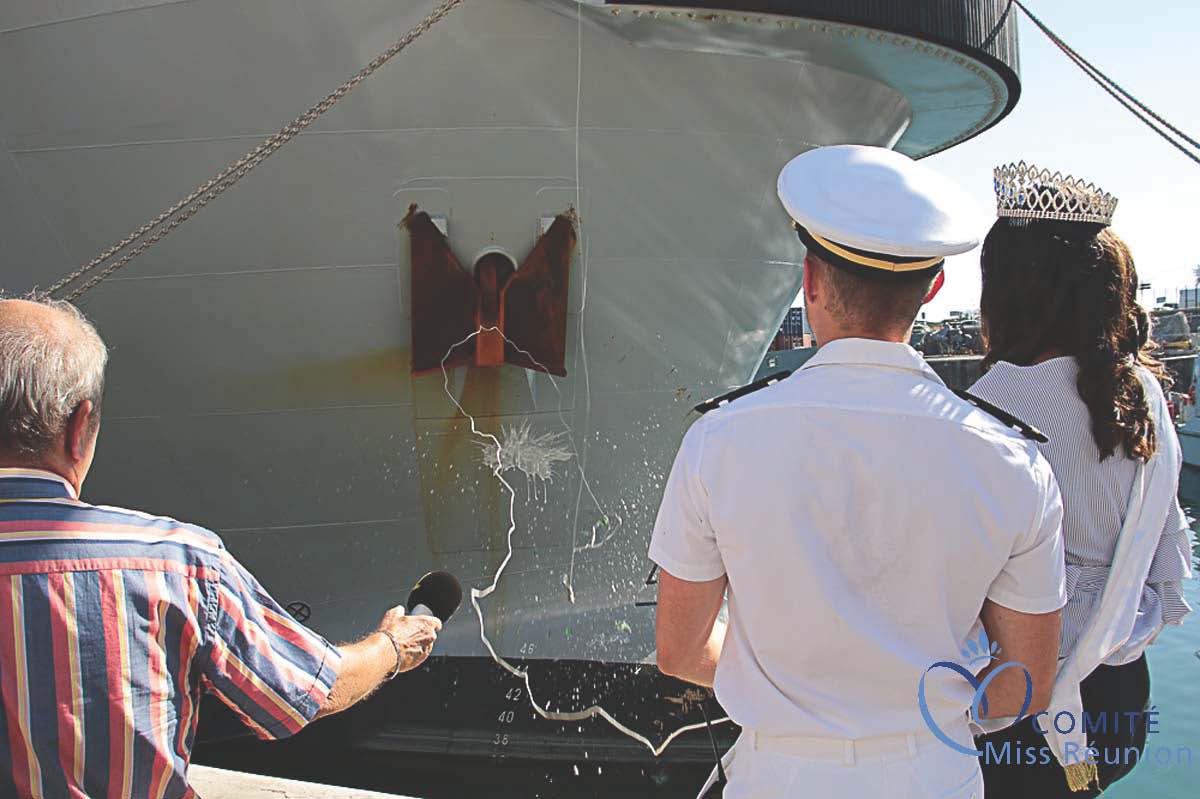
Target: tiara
(1025,192)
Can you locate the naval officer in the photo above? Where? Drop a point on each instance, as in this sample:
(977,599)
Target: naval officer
(808,503)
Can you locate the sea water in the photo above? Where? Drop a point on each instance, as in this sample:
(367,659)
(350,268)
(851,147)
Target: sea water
(1170,768)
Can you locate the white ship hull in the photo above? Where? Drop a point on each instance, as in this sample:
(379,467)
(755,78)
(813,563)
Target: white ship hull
(260,382)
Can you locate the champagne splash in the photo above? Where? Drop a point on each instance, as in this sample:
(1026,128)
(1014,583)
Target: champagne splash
(500,457)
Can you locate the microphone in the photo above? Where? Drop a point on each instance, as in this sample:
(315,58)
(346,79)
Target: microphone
(436,594)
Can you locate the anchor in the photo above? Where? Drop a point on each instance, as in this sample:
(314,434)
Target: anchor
(519,316)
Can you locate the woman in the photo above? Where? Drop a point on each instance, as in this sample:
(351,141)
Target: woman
(1068,352)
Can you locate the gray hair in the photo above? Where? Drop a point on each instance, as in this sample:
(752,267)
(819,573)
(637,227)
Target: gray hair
(45,373)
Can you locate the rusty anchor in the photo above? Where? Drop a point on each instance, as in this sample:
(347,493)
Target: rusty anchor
(519,316)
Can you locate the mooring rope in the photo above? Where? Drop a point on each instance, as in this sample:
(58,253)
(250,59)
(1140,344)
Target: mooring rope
(1143,112)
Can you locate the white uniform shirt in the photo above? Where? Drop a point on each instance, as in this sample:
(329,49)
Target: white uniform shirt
(862,513)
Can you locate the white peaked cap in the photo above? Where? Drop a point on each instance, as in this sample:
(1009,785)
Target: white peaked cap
(877,201)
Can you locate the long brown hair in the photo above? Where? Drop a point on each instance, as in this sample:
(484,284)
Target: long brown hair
(1070,288)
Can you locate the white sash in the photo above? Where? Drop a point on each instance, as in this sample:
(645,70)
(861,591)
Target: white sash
(1154,487)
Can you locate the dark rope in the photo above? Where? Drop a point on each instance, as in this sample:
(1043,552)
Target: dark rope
(996,31)
(1135,106)
(1130,107)
(1093,68)
(722,781)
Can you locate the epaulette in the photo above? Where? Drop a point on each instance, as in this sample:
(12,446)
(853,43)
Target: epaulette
(749,388)
(1024,428)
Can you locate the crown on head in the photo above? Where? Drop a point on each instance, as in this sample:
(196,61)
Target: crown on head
(1025,192)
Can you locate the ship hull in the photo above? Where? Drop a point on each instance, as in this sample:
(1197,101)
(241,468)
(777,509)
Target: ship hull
(261,375)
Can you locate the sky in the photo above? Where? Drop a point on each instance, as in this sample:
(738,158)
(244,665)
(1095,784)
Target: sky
(1064,121)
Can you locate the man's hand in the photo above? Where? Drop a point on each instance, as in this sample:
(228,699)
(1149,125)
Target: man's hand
(370,662)
(413,634)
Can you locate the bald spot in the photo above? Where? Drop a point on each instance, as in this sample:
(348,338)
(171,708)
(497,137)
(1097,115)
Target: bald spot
(15,314)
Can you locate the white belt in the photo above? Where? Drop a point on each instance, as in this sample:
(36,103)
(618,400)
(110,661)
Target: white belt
(845,750)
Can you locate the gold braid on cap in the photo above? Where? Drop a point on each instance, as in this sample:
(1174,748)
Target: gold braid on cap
(1025,192)
(875,263)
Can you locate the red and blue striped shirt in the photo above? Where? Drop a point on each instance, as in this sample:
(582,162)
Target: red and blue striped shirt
(111,624)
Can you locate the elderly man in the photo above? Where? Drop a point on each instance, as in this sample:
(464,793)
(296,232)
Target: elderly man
(850,585)
(112,621)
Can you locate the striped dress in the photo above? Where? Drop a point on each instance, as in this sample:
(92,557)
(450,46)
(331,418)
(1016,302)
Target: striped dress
(112,622)
(1095,494)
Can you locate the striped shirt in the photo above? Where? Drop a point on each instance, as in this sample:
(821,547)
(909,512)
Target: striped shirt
(111,624)
(1095,493)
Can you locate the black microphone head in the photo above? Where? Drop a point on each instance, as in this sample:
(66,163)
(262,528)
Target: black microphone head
(441,592)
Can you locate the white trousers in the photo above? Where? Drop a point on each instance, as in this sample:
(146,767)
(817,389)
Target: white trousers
(916,766)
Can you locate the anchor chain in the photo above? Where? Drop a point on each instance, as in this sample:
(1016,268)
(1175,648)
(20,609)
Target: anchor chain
(169,220)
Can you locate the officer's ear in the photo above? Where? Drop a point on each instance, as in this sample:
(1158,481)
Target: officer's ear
(938,282)
(811,281)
